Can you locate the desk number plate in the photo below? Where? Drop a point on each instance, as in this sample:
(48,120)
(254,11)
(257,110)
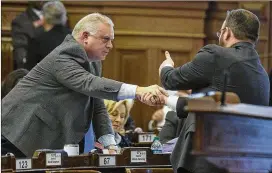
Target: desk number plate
(138,156)
(107,161)
(23,164)
(53,159)
(146,138)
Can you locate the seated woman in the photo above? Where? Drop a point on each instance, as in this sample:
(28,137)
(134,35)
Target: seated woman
(119,113)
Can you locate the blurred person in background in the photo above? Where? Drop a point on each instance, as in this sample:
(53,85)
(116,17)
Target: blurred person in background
(160,116)
(24,27)
(55,18)
(157,120)
(130,124)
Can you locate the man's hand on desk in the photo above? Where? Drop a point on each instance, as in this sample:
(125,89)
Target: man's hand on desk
(154,93)
(113,149)
(167,62)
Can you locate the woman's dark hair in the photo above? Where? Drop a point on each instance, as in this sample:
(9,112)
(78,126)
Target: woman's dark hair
(11,80)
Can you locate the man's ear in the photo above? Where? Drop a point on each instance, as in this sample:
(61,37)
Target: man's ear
(85,35)
(228,33)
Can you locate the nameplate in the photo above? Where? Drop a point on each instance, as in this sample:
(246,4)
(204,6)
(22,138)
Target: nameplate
(23,163)
(138,156)
(145,138)
(53,159)
(107,161)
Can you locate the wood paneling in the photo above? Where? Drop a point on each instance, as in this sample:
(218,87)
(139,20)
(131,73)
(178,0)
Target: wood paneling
(6,57)
(270,37)
(144,30)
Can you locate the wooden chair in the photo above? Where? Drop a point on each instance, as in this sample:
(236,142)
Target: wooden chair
(230,97)
(6,57)
(149,170)
(72,171)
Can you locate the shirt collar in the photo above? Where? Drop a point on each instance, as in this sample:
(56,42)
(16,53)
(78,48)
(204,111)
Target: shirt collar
(243,44)
(38,13)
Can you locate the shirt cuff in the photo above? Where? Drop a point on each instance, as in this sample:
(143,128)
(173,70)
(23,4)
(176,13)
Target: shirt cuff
(171,92)
(167,65)
(127,91)
(171,102)
(107,140)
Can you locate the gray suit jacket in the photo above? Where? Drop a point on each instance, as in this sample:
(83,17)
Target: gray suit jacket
(54,104)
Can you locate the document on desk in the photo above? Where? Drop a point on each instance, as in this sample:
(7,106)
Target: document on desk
(169,146)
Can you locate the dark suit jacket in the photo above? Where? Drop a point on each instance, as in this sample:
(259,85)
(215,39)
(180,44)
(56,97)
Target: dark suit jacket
(172,127)
(44,43)
(56,101)
(247,77)
(130,124)
(181,158)
(22,30)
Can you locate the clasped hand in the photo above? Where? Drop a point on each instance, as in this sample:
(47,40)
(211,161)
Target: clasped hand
(153,95)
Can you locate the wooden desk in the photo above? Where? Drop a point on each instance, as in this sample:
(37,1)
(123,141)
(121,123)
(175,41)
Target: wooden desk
(7,163)
(73,171)
(236,137)
(149,170)
(57,160)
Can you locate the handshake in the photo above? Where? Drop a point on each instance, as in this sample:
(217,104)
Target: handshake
(153,95)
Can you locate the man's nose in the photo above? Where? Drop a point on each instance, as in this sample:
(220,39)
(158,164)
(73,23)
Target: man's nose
(110,44)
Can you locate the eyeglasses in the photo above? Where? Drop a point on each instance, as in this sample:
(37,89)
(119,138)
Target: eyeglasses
(218,33)
(104,39)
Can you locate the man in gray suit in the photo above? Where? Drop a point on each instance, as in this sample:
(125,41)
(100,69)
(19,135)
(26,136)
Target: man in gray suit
(55,103)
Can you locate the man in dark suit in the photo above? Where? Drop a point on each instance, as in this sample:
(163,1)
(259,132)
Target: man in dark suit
(172,127)
(23,28)
(56,101)
(236,57)
(55,31)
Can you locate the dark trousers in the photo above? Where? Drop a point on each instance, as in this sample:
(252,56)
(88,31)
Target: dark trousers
(8,147)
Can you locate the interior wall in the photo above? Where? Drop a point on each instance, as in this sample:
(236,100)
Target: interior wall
(143,31)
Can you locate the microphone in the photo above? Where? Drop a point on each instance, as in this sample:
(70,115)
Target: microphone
(225,83)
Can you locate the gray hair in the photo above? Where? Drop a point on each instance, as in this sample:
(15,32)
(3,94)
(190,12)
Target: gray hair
(90,24)
(55,13)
